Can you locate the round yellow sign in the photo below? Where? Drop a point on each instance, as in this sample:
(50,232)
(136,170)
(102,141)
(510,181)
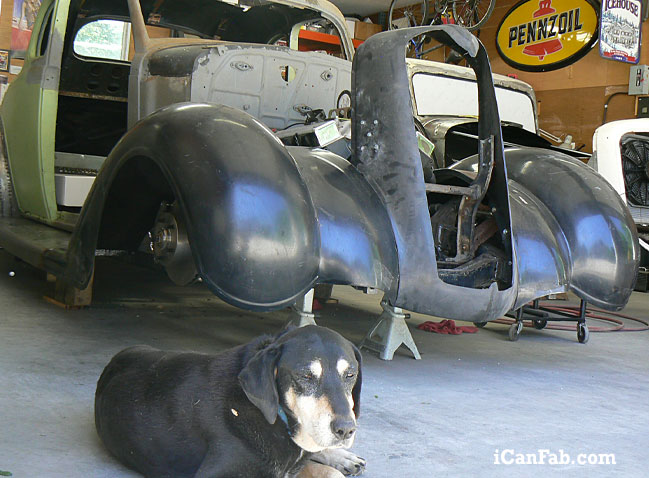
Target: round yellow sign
(543,35)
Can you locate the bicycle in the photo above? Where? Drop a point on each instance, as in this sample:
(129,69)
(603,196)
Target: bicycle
(471,14)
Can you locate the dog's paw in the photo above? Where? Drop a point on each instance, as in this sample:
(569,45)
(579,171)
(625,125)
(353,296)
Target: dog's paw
(316,470)
(348,463)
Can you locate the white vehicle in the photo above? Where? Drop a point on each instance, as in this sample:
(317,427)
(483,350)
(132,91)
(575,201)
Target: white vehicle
(621,155)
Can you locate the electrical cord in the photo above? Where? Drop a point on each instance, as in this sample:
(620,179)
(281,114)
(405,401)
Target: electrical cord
(608,101)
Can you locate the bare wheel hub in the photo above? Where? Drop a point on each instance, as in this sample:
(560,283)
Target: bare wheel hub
(170,245)
(165,240)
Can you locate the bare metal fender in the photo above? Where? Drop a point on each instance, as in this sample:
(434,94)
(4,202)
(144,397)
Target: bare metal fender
(597,225)
(356,241)
(582,226)
(247,210)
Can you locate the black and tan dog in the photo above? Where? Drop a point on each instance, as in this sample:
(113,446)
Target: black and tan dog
(277,407)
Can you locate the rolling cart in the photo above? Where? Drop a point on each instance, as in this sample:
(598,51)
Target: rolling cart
(540,316)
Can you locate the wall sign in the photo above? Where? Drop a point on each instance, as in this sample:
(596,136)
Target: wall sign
(4,60)
(619,31)
(544,35)
(22,23)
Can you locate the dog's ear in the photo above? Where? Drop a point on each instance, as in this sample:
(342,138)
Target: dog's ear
(356,391)
(258,381)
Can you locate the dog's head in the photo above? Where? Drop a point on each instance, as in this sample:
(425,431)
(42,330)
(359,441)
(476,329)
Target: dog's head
(311,376)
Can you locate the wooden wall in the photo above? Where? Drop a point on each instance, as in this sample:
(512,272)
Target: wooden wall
(5,31)
(571,99)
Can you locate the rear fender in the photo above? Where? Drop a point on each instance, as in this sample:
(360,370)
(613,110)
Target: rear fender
(249,217)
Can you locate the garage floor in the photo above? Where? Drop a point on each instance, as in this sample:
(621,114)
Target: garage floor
(446,415)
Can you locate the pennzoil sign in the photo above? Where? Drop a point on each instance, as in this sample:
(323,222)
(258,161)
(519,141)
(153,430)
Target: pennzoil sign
(544,35)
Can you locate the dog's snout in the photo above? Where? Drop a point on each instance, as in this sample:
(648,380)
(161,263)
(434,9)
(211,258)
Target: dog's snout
(343,428)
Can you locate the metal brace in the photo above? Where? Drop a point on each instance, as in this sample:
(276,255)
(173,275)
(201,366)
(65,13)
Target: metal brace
(392,331)
(304,308)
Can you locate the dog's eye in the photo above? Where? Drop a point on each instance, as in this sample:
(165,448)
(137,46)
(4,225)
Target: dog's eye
(350,375)
(308,376)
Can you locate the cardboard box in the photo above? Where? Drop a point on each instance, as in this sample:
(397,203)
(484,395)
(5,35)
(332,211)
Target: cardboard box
(364,30)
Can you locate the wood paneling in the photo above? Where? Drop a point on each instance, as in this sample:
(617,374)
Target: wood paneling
(572,98)
(5,32)
(566,111)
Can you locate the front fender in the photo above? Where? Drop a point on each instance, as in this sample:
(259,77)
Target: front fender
(249,216)
(583,228)
(597,225)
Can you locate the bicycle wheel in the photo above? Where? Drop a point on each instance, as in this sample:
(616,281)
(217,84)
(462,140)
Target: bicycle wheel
(416,14)
(472,14)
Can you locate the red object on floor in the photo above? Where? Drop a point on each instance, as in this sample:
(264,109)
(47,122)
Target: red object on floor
(317,305)
(446,327)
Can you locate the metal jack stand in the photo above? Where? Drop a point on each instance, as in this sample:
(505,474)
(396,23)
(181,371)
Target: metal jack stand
(392,329)
(304,308)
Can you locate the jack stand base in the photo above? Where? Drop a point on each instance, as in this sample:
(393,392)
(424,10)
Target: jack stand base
(304,309)
(392,329)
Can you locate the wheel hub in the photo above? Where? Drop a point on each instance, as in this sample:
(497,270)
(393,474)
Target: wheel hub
(170,245)
(165,240)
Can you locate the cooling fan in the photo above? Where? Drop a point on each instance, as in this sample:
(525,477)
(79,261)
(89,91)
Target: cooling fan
(635,167)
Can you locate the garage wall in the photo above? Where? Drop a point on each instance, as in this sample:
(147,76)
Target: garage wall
(5,32)
(572,98)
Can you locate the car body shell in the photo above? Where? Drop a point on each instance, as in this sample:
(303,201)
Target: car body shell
(264,221)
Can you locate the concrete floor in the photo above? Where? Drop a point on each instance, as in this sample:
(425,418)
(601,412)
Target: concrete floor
(445,415)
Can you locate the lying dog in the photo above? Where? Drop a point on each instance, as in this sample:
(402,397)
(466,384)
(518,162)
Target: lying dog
(277,407)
